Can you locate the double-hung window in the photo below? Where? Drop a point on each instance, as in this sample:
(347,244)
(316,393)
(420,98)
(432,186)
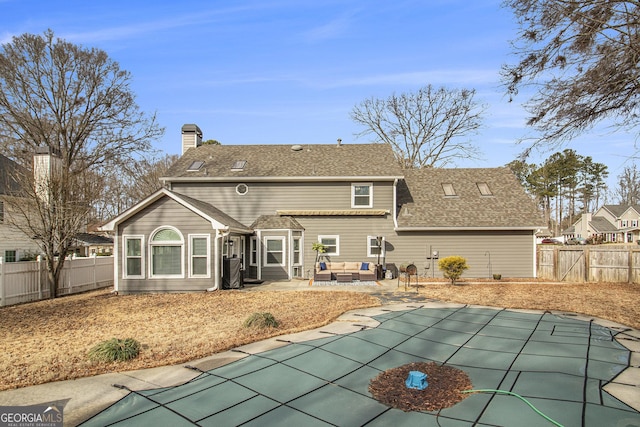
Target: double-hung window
(331,244)
(200,265)
(296,251)
(362,195)
(166,253)
(375,246)
(133,256)
(253,251)
(274,251)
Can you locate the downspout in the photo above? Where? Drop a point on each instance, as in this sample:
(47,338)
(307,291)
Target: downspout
(116,257)
(394,208)
(217,270)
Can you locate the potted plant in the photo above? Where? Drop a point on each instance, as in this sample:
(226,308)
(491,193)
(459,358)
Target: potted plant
(497,276)
(319,248)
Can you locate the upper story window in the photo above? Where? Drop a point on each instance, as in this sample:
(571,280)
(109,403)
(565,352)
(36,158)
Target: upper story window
(448,189)
(623,223)
(362,195)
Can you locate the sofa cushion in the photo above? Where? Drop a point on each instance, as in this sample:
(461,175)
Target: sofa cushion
(323,266)
(364,266)
(336,267)
(351,266)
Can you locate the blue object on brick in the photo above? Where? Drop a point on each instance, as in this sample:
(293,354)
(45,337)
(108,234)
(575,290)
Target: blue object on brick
(417,380)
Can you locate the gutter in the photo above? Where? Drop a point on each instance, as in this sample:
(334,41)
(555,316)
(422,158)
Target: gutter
(169,180)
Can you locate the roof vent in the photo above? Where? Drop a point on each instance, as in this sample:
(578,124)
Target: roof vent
(296,147)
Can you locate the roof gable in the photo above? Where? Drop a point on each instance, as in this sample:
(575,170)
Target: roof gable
(218,218)
(426,203)
(286,161)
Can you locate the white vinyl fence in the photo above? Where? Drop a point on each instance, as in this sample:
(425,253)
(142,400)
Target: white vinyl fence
(26,281)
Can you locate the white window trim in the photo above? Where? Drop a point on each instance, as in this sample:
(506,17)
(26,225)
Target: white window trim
(369,247)
(125,257)
(265,260)
(353,194)
(207,256)
(253,249)
(293,251)
(151,245)
(337,237)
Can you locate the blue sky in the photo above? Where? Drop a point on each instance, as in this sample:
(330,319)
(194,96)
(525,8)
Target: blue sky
(290,71)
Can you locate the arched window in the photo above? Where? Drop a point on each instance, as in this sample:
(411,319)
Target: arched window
(166,253)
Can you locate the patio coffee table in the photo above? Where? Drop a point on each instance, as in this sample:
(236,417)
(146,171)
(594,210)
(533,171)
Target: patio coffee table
(343,277)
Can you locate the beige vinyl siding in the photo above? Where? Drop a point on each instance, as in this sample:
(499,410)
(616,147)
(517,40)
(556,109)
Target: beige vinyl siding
(511,252)
(267,198)
(353,232)
(165,212)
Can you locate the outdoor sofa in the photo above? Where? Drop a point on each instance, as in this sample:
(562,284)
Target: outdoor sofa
(326,271)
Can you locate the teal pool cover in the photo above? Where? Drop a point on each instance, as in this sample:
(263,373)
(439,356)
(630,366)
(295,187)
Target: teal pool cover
(557,364)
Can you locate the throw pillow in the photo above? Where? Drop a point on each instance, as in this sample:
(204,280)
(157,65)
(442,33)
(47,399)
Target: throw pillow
(323,266)
(364,266)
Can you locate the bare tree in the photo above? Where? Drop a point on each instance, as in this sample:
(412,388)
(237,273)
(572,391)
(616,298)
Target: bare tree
(425,128)
(126,185)
(74,107)
(582,56)
(628,190)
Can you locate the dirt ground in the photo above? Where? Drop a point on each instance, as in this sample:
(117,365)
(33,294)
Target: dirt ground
(49,340)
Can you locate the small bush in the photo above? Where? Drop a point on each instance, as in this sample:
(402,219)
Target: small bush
(261,320)
(115,350)
(452,267)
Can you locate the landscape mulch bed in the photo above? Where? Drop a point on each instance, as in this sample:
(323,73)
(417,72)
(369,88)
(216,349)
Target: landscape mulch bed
(445,384)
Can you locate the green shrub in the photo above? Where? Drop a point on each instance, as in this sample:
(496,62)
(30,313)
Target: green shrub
(261,320)
(452,267)
(115,350)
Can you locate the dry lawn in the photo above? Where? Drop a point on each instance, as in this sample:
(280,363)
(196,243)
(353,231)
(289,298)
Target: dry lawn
(49,340)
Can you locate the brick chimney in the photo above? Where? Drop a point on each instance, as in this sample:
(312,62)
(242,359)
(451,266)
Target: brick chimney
(191,137)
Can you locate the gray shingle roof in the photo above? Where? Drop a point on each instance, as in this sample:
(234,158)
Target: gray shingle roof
(425,204)
(601,225)
(274,161)
(276,222)
(618,210)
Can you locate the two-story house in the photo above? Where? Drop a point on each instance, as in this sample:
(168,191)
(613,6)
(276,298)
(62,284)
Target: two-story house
(266,205)
(14,244)
(609,224)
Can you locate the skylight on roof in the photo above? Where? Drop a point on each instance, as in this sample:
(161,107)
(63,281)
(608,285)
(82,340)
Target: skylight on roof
(196,165)
(484,189)
(448,189)
(239,165)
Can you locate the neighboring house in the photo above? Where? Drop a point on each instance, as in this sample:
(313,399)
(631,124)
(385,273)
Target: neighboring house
(14,244)
(88,244)
(610,223)
(266,205)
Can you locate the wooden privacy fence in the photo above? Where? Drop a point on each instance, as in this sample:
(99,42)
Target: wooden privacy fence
(589,264)
(26,281)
